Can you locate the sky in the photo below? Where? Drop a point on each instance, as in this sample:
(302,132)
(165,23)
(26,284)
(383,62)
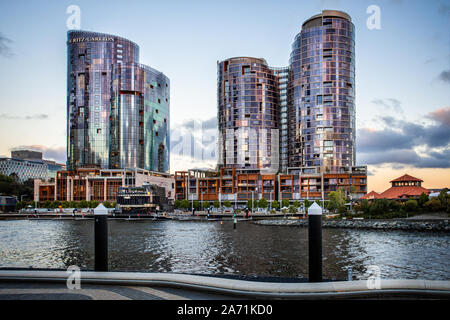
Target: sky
(402,72)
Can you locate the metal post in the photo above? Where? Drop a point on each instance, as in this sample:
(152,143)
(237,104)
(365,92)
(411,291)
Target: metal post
(101,239)
(350,274)
(270,209)
(315,242)
(234,221)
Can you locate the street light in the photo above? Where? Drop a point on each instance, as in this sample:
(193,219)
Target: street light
(252,201)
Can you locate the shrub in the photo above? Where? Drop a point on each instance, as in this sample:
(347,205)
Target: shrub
(411,205)
(433,205)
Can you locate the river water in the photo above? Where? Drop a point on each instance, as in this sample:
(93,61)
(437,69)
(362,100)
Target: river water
(212,248)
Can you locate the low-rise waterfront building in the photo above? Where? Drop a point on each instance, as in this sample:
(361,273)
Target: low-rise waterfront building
(240,185)
(142,200)
(98,184)
(403,188)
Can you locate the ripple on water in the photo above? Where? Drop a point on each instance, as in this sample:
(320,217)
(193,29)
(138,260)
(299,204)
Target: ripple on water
(212,248)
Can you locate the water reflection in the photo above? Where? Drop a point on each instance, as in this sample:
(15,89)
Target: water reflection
(214,248)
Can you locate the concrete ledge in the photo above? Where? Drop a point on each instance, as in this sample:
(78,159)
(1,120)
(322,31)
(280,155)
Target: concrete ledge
(344,289)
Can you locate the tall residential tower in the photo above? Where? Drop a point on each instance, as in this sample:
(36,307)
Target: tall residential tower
(117,109)
(308,107)
(322,93)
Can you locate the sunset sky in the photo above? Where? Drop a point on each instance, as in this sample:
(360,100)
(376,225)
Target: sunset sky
(402,71)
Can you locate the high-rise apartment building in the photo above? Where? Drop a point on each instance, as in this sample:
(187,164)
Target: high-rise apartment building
(117,109)
(248,114)
(308,107)
(321,93)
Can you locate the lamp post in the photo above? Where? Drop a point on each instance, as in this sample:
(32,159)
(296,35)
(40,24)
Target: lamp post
(252,201)
(203,209)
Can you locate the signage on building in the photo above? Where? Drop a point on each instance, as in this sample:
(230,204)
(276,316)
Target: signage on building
(91,39)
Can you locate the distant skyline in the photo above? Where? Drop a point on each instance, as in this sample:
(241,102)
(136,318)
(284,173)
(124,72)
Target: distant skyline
(402,71)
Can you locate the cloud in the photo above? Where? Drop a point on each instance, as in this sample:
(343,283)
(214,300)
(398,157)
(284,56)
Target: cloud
(445,76)
(441,115)
(57,154)
(390,104)
(5,49)
(41,116)
(397,141)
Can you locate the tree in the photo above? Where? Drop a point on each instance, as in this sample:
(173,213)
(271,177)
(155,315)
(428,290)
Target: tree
(177,204)
(275,204)
(206,204)
(65,204)
(411,205)
(185,204)
(227,203)
(73,204)
(423,199)
(433,205)
(297,204)
(292,209)
(262,203)
(307,203)
(216,204)
(196,204)
(84,204)
(337,201)
(93,204)
(285,203)
(252,204)
(444,199)
(107,204)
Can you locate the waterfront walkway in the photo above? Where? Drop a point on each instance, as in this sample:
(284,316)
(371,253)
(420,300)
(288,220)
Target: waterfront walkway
(50,284)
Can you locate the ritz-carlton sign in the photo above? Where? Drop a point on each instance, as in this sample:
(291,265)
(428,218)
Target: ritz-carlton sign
(90,39)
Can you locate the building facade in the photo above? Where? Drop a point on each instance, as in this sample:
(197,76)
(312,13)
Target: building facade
(322,93)
(28,164)
(309,106)
(248,114)
(240,185)
(402,188)
(98,184)
(117,109)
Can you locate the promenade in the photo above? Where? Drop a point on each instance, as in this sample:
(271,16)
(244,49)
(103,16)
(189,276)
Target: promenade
(51,284)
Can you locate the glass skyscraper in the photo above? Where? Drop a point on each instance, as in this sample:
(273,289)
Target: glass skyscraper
(117,109)
(248,114)
(322,93)
(310,103)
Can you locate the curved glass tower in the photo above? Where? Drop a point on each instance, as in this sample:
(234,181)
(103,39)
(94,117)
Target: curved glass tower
(117,109)
(321,93)
(248,114)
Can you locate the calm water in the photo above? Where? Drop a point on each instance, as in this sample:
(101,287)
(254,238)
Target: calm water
(212,248)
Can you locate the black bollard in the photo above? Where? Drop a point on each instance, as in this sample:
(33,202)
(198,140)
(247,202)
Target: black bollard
(315,242)
(101,241)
